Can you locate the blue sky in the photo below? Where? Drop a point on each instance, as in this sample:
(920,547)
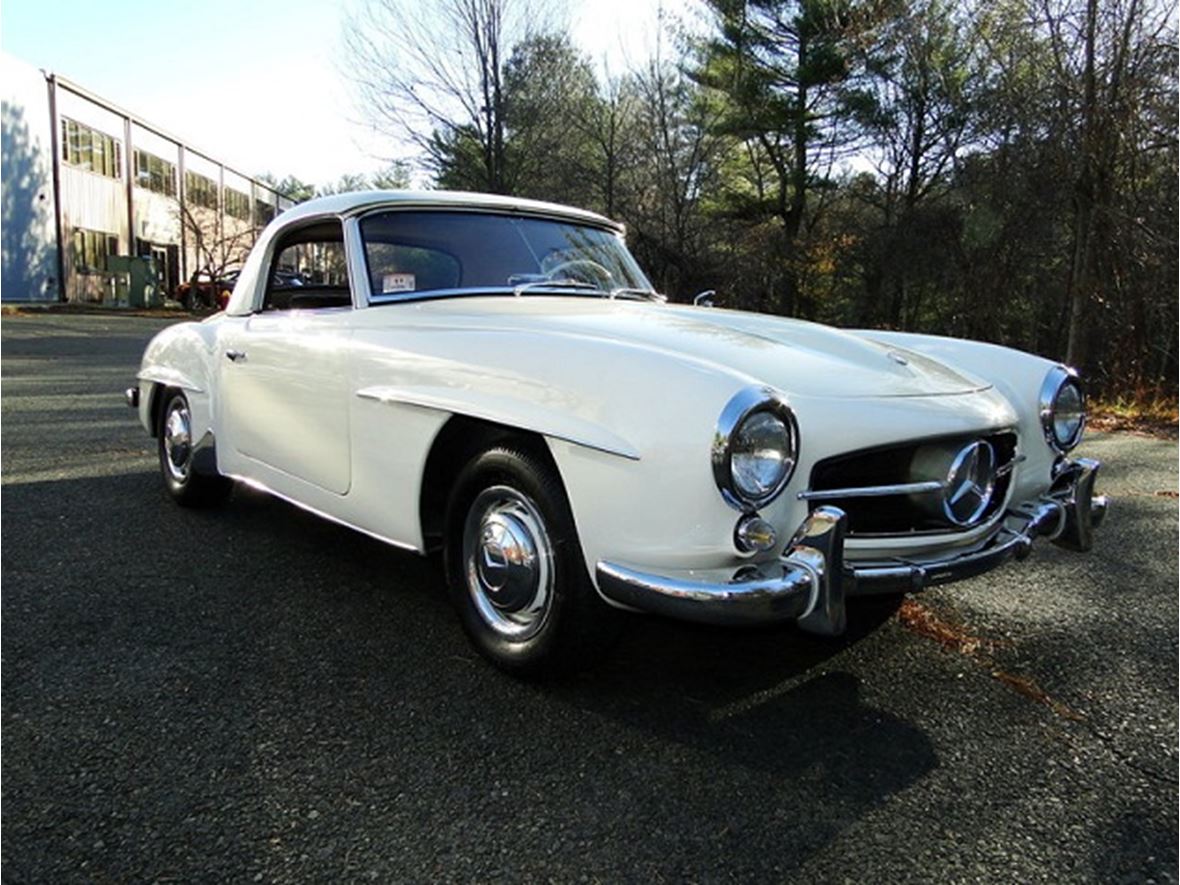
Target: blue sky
(255,83)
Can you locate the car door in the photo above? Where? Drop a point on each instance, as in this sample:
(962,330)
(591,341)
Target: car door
(285,369)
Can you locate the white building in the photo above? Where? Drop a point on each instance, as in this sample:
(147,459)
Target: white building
(85,180)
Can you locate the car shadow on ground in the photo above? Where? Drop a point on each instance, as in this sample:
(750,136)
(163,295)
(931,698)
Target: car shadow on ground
(771,705)
(316,649)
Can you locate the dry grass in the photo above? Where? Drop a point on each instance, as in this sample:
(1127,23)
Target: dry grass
(1149,417)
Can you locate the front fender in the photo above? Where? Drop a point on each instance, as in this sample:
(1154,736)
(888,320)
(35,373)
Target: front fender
(511,411)
(181,357)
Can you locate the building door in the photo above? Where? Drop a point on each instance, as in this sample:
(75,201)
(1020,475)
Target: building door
(166,260)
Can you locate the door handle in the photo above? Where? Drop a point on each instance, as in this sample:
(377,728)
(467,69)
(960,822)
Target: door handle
(235,355)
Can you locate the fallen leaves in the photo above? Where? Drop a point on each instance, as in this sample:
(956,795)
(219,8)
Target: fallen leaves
(954,636)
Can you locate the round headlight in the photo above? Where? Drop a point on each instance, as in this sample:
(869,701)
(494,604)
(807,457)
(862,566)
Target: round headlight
(1063,409)
(760,455)
(755,449)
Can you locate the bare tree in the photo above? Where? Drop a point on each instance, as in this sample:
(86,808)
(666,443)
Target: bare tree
(433,73)
(1105,58)
(219,244)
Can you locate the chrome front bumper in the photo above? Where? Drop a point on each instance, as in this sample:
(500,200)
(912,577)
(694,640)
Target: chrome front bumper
(812,579)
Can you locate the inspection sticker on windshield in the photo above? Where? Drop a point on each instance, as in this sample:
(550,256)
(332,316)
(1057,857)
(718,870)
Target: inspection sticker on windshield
(398,282)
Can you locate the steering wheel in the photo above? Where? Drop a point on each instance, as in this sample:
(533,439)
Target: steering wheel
(582,270)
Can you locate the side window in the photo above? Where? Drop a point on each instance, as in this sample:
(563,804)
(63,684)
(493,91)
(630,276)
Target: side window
(309,270)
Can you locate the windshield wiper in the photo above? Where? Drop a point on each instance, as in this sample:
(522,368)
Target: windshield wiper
(649,294)
(521,288)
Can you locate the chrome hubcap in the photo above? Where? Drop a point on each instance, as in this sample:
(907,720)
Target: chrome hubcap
(178,445)
(508,562)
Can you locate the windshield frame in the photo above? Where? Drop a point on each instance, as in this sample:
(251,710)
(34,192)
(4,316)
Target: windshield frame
(360,265)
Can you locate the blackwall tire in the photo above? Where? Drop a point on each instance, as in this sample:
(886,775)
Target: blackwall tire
(175,445)
(515,570)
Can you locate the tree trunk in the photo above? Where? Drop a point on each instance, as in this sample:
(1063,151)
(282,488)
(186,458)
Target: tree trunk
(1082,276)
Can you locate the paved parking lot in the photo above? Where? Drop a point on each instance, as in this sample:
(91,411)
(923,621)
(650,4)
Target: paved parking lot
(251,694)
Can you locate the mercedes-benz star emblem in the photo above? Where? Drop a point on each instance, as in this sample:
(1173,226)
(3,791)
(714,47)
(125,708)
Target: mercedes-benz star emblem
(970,483)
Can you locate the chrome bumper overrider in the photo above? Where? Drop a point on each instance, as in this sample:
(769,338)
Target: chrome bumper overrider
(812,579)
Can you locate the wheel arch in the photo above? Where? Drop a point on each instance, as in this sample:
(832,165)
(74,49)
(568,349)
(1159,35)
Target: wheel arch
(457,442)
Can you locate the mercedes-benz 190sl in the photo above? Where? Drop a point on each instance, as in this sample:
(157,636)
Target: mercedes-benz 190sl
(496,379)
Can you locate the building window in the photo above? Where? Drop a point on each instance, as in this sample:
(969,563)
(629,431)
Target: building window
(264,212)
(237,204)
(90,149)
(155,173)
(199,190)
(91,248)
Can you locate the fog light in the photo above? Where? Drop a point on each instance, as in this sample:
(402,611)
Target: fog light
(754,535)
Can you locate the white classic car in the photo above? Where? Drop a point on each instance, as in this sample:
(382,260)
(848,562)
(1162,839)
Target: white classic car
(496,379)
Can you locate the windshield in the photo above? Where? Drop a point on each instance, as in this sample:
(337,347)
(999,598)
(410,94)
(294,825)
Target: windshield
(444,253)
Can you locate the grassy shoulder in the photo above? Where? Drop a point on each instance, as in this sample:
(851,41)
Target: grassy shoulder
(1156,418)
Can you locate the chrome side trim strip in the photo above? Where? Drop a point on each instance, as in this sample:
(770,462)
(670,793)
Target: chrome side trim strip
(263,487)
(440,404)
(905,488)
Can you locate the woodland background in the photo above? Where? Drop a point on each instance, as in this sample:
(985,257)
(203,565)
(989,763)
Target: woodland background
(996,169)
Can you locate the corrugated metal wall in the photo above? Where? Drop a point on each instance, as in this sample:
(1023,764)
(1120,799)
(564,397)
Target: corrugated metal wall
(120,190)
(30,259)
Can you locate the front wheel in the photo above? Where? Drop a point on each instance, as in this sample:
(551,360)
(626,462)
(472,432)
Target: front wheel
(177,453)
(515,569)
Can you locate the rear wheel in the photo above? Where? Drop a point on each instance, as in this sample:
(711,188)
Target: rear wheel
(176,449)
(515,569)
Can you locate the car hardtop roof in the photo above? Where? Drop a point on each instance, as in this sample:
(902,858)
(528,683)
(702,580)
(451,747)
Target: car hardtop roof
(360,201)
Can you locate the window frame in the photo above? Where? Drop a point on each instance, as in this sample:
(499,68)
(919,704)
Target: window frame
(292,237)
(79,141)
(368,298)
(228,204)
(87,243)
(154,173)
(191,178)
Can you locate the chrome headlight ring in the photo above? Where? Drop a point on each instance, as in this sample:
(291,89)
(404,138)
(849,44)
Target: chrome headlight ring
(750,403)
(1062,380)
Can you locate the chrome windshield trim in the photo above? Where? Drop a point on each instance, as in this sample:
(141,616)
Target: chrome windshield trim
(905,488)
(556,289)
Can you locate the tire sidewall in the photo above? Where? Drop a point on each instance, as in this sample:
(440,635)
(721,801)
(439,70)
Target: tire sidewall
(535,480)
(178,489)
(196,489)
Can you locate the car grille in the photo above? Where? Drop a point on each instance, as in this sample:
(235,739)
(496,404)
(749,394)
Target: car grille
(904,513)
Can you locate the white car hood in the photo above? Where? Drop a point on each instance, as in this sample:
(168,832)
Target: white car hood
(793,356)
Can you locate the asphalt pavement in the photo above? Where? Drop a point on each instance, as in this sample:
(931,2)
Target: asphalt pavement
(253,694)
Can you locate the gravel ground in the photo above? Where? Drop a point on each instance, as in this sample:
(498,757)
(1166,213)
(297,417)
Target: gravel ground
(252,694)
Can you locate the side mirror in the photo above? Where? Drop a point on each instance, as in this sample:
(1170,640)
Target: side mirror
(704,299)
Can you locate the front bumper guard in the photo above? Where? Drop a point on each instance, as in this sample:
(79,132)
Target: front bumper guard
(812,579)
